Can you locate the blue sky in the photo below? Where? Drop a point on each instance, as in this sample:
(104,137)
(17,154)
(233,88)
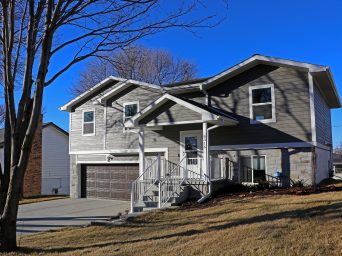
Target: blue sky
(305,30)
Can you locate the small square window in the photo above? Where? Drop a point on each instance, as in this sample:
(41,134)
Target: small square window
(130,109)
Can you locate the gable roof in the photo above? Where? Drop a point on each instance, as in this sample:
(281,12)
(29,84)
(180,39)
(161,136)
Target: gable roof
(208,114)
(99,86)
(321,74)
(58,128)
(2,131)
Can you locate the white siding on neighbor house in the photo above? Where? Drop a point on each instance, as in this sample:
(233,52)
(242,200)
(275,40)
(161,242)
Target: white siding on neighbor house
(55,162)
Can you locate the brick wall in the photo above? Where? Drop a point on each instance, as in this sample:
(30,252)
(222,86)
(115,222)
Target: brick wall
(33,177)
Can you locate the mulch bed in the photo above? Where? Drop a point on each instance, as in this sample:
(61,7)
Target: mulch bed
(225,195)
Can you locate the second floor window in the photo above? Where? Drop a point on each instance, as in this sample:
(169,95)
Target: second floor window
(262,104)
(88,123)
(129,110)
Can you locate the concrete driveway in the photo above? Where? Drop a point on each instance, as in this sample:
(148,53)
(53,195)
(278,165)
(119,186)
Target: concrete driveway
(60,213)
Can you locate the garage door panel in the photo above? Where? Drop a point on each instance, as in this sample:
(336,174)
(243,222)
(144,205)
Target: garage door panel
(109,181)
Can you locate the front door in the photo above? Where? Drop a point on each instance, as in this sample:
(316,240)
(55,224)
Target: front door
(191,149)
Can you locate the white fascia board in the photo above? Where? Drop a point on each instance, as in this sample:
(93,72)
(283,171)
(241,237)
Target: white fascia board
(92,90)
(257,59)
(332,80)
(119,88)
(68,106)
(116,151)
(206,115)
(135,119)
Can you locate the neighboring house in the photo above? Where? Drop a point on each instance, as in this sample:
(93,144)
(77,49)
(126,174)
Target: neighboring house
(33,175)
(262,120)
(55,160)
(337,158)
(48,167)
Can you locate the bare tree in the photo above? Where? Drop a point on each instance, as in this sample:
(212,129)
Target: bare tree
(36,32)
(139,63)
(338,148)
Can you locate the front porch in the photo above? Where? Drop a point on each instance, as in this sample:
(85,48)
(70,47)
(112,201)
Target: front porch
(194,169)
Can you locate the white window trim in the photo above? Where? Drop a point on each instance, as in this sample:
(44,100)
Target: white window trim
(129,103)
(265,121)
(88,134)
(251,156)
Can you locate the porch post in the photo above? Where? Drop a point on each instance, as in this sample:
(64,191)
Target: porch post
(205,150)
(141,150)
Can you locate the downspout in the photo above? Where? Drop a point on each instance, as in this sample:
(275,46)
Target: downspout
(204,198)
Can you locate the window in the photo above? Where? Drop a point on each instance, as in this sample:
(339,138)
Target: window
(88,123)
(262,104)
(129,110)
(253,168)
(191,149)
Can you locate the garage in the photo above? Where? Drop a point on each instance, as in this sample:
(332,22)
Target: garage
(108,181)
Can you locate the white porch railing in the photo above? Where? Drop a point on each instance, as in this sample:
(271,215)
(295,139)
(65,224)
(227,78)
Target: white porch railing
(172,184)
(144,182)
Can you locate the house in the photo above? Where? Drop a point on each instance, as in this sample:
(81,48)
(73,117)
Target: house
(263,120)
(337,162)
(48,167)
(55,160)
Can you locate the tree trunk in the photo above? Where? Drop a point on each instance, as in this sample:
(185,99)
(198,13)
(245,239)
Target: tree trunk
(8,234)
(8,226)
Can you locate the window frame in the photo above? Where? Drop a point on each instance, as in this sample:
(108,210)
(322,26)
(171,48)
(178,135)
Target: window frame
(94,122)
(272,103)
(251,159)
(123,109)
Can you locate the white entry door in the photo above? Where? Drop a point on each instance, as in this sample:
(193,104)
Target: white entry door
(191,148)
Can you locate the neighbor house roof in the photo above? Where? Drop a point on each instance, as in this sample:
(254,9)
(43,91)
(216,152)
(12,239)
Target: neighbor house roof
(208,114)
(2,131)
(51,124)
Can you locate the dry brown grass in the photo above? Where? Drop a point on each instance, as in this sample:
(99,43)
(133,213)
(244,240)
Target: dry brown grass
(268,225)
(37,199)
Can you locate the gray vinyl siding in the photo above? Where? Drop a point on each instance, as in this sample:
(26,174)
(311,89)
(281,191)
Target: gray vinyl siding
(116,137)
(322,119)
(169,138)
(172,113)
(292,103)
(92,142)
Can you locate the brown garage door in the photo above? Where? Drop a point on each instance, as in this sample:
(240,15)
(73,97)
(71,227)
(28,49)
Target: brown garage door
(108,181)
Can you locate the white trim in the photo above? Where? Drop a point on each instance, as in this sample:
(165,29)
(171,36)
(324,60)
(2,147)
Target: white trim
(265,161)
(206,115)
(251,104)
(129,103)
(118,88)
(141,135)
(118,151)
(263,146)
(105,128)
(67,107)
(111,162)
(70,131)
(175,123)
(94,122)
(312,107)
(255,60)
